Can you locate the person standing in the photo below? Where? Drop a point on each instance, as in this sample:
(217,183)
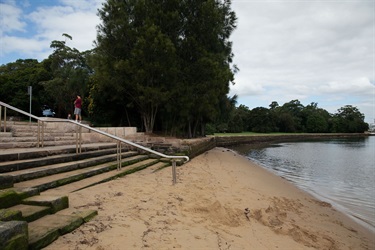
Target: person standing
(78,108)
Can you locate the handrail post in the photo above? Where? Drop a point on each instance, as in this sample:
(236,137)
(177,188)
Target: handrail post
(174,175)
(80,139)
(5,119)
(38,138)
(42,134)
(1,114)
(119,156)
(77,139)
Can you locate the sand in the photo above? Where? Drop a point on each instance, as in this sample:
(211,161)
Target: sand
(221,201)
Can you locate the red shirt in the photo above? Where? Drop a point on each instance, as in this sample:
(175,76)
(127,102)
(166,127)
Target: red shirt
(78,103)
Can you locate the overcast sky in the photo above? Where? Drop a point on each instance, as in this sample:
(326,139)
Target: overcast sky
(313,51)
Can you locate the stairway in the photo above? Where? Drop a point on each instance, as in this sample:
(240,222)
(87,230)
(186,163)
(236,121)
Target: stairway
(35,184)
(24,135)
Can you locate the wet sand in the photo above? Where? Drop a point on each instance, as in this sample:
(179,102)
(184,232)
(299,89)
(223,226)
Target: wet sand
(221,201)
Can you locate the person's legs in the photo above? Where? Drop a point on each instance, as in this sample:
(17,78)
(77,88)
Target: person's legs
(77,113)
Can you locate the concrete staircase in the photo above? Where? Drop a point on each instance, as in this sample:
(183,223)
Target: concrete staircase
(35,183)
(24,135)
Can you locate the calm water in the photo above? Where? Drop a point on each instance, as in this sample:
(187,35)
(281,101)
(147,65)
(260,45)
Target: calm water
(339,171)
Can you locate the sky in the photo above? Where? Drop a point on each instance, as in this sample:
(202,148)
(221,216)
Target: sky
(320,51)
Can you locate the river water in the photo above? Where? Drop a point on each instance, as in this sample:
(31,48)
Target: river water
(338,171)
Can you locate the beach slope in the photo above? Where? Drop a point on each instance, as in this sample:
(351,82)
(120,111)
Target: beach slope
(221,201)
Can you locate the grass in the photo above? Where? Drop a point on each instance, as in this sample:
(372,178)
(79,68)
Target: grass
(254,134)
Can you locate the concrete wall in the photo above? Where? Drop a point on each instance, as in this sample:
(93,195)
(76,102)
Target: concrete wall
(223,141)
(91,136)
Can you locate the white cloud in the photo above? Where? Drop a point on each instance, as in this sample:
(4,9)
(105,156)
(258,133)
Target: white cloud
(290,50)
(10,18)
(53,22)
(47,23)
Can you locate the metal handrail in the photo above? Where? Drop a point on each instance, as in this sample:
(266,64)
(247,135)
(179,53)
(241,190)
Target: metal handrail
(118,139)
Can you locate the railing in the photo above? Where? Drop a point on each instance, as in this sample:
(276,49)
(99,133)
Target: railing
(119,140)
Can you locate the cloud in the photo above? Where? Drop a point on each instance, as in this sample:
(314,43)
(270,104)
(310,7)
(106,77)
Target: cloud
(299,50)
(39,25)
(10,18)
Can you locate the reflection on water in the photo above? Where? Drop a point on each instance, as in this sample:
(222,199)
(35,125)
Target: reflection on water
(340,171)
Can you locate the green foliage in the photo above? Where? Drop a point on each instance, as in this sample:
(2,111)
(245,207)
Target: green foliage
(294,117)
(167,59)
(348,119)
(70,76)
(15,78)
(260,120)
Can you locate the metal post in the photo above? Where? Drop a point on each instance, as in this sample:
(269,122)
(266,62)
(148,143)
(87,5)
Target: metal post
(42,134)
(119,155)
(80,139)
(1,114)
(174,171)
(38,133)
(76,139)
(117,150)
(30,92)
(5,119)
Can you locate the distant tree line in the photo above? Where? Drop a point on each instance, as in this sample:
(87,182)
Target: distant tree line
(161,66)
(291,117)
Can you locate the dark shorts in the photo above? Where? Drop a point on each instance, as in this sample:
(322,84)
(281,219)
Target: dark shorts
(77,111)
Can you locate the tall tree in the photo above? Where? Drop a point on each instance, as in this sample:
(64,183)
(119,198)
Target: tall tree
(15,78)
(70,75)
(349,119)
(170,56)
(206,54)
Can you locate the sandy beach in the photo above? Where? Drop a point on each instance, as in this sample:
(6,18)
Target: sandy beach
(221,201)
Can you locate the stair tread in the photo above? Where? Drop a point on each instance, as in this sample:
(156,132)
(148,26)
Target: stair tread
(74,186)
(26,210)
(52,148)
(56,177)
(59,165)
(43,157)
(45,230)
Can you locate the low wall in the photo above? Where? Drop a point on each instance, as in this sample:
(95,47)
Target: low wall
(195,147)
(122,132)
(223,141)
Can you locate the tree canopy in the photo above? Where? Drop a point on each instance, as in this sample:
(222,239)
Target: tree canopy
(161,66)
(294,117)
(169,60)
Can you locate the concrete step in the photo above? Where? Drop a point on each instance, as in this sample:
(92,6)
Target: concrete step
(13,196)
(54,202)
(34,138)
(49,134)
(17,165)
(61,179)
(34,143)
(148,165)
(5,134)
(44,231)
(30,212)
(33,173)
(13,154)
